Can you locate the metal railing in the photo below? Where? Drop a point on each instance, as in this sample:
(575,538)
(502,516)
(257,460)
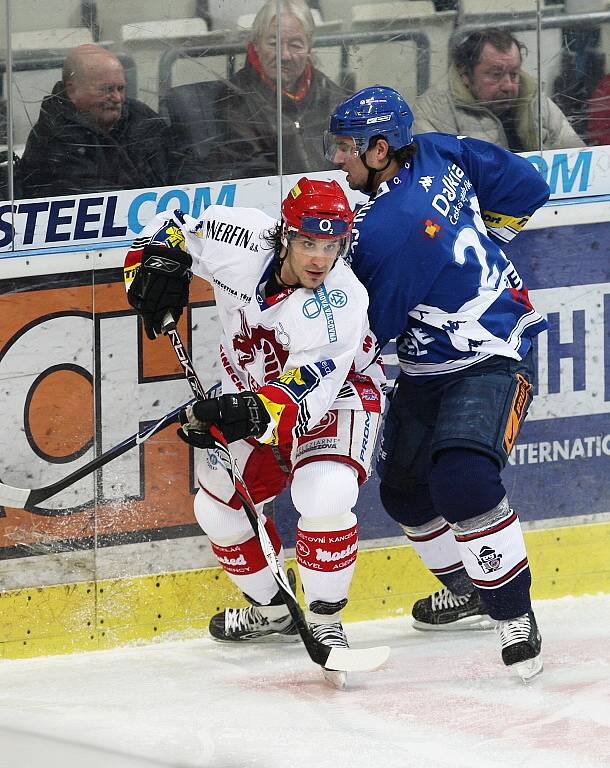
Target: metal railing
(530,21)
(345,42)
(27,61)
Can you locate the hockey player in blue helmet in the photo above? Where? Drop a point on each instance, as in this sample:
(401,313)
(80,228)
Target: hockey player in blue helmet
(428,247)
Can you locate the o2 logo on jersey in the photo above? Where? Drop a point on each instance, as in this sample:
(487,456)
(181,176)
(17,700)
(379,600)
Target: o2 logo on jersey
(337,298)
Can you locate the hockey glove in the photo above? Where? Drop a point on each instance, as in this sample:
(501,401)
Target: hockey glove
(161,285)
(237,416)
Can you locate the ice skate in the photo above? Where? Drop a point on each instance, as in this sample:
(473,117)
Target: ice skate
(521,643)
(253,623)
(332,635)
(443,610)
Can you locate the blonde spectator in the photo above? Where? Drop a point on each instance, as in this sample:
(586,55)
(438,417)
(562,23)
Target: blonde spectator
(246,105)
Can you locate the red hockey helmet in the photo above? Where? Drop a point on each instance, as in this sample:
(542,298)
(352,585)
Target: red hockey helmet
(317,209)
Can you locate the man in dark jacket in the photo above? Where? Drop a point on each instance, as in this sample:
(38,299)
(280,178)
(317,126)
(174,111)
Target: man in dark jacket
(246,105)
(90,136)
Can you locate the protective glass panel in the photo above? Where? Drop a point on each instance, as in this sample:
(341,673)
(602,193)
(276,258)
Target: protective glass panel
(581,88)
(47,425)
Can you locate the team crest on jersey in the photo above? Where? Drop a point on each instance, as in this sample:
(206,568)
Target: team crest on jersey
(488,559)
(430,228)
(169,235)
(257,340)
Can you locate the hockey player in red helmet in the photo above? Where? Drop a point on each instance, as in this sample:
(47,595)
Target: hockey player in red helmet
(294,334)
(312,211)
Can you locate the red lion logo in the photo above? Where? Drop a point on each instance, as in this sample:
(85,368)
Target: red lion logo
(259,340)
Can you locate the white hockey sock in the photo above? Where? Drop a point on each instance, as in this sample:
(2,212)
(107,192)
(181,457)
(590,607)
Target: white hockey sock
(324,492)
(245,564)
(435,544)
(492,547)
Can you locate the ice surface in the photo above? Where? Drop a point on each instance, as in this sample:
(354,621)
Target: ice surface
(442,700)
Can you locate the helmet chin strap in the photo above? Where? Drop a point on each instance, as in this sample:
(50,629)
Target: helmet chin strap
(368,188)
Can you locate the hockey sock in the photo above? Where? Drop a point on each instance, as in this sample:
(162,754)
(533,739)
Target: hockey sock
(327,535)
(493,553)
(245,564)
(435,544)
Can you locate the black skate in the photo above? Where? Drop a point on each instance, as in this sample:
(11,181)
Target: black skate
(521,643)
(445,611)
(334,636)
(242,624)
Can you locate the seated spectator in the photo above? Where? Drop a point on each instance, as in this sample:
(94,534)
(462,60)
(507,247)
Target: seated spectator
(487,95)
(598,114)
(246,108)
(90,136)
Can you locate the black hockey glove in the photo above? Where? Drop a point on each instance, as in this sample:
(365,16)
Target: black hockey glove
(236,416)
(161,285)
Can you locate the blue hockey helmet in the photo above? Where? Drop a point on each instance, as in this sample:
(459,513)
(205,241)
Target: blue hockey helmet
(374,111)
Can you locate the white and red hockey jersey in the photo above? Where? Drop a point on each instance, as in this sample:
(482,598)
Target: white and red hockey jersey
(304,352)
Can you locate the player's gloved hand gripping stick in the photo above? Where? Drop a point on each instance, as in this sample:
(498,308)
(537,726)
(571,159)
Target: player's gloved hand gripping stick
(341,659)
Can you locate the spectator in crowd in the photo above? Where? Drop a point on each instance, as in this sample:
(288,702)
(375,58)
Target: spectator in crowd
(598,114)
(488,96)
(246,107)
(90,136)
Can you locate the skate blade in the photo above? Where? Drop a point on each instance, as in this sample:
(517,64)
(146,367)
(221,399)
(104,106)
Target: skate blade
(335,678)
(469,623)
(271,637)
(529,669)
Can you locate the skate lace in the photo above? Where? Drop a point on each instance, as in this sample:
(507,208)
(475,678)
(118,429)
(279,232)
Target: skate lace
(445,598)
(237,619)
(330,634)
(514,630)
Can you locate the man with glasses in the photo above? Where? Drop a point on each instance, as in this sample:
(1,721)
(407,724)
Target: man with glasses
(487,95)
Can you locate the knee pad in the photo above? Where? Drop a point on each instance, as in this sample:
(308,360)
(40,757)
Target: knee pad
(411,509)
(222,524)
(324,493)
(465,484)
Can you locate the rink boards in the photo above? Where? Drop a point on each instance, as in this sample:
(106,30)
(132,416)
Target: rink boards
(118,556)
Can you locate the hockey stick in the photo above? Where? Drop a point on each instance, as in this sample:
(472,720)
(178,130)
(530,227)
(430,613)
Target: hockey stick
(28,498)
(332,658)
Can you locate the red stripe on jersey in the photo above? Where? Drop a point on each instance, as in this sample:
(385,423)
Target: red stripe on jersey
(134,258)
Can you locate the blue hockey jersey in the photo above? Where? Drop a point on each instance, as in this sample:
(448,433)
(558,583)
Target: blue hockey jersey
(428,249)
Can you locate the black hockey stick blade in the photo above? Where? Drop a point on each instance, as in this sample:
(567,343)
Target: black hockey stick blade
(339,659)
(28,498)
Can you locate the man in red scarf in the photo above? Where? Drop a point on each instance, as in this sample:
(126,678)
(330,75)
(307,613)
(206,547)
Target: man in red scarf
(247,105)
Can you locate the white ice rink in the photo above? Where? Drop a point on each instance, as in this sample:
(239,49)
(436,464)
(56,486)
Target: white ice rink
(442,700)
